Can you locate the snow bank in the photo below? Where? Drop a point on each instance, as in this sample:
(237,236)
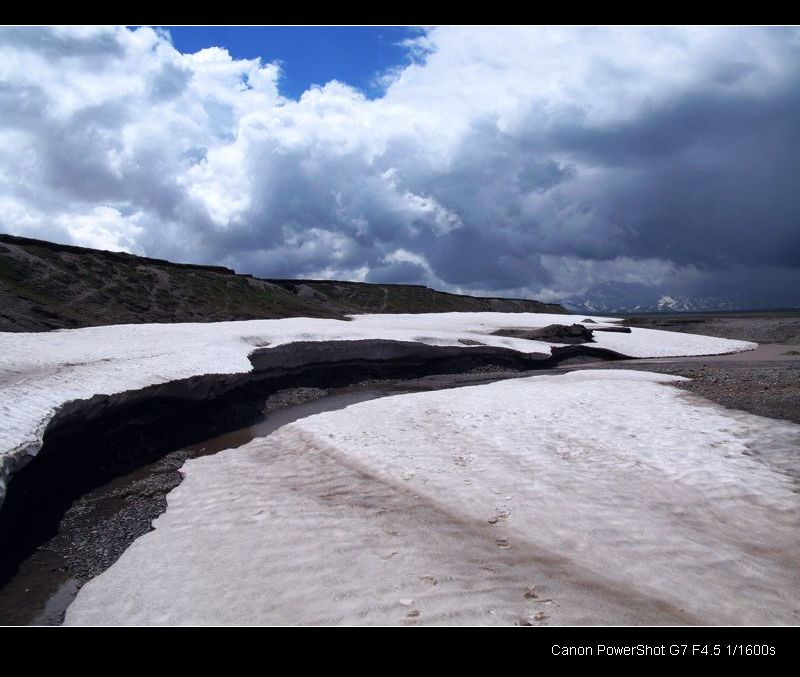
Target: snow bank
(39,372)
(590,497)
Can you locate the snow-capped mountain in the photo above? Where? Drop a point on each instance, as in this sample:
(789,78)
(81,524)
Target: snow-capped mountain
(632,297)
(682,304)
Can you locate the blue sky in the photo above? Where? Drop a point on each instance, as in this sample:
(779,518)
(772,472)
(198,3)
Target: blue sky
(308,54)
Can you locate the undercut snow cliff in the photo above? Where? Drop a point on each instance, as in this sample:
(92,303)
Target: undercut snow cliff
(40,373)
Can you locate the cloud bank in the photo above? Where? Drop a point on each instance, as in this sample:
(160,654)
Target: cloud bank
(521,160)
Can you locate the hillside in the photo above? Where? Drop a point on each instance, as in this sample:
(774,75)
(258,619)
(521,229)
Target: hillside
(46,286)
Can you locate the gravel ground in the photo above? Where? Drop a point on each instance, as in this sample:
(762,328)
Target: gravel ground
(92,535)
(765,388)
(102,524)
(769,389)
(783,327)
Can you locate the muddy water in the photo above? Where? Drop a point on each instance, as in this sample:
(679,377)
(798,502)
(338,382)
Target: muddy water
(269,423)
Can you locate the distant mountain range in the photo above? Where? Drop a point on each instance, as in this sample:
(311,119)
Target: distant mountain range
(631,297)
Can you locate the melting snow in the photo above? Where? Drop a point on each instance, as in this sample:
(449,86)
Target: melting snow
(39,372)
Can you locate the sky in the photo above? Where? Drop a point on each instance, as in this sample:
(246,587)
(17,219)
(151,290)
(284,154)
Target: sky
(308,55)
(529,161)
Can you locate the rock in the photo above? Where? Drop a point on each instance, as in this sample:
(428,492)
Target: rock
(553,333)
(616,330)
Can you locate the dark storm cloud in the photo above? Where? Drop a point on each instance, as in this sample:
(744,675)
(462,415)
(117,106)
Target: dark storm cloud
(709,181)
(400,272)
